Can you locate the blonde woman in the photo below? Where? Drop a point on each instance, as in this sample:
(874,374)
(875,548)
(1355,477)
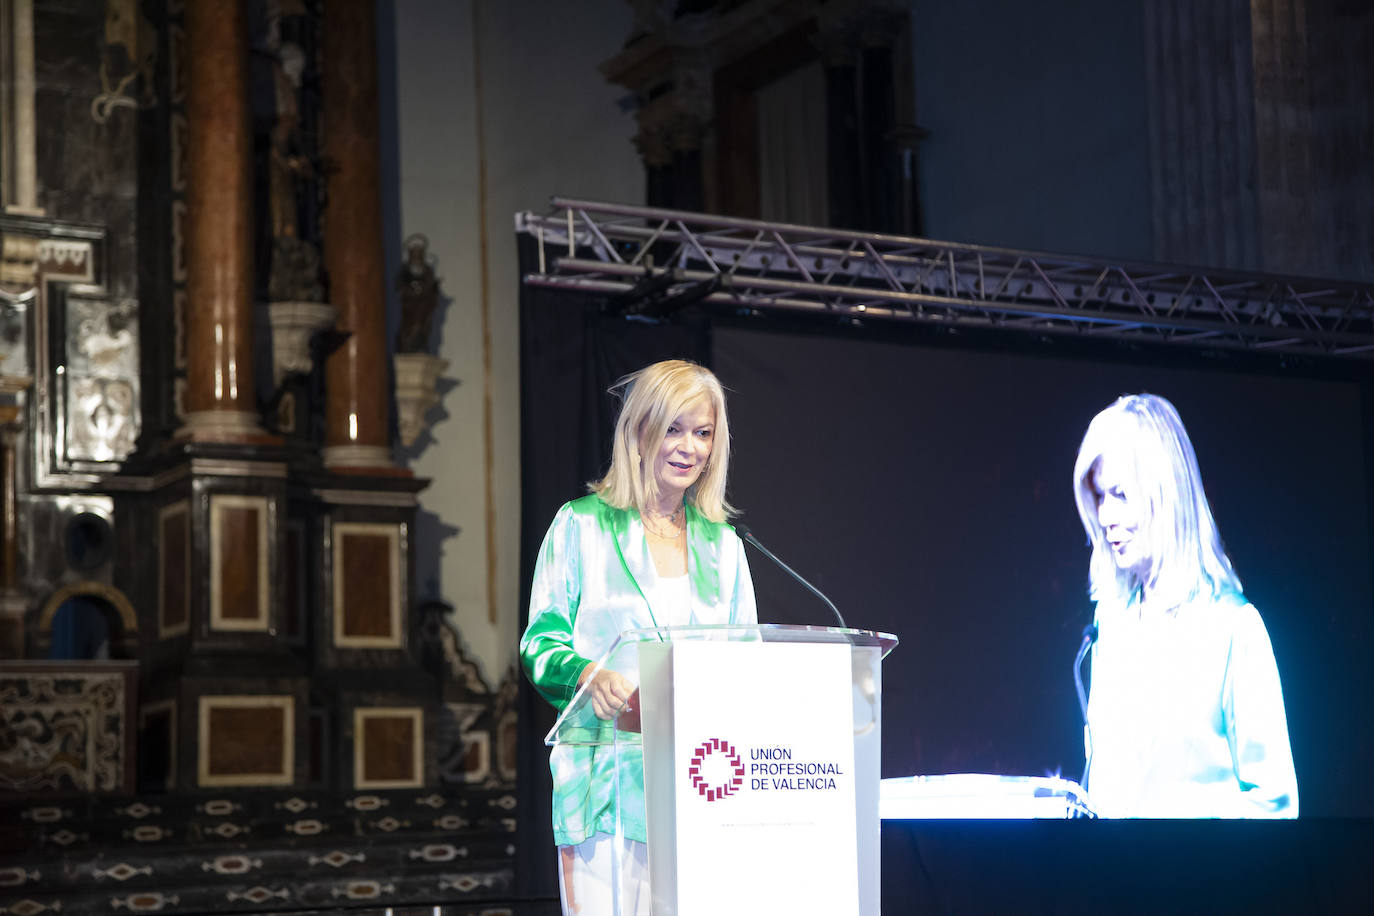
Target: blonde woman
(648,547)
(1186,716)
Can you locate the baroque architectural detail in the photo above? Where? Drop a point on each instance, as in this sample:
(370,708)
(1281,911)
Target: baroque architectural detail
(417,391)
(67,731)
(294,325)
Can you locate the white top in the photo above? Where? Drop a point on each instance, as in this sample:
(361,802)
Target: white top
(671,600)
(1186,715)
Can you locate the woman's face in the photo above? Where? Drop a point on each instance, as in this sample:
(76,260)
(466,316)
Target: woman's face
(685,449)
(1122,514)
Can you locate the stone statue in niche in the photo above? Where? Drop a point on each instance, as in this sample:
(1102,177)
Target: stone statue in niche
(295,270)
(419,289)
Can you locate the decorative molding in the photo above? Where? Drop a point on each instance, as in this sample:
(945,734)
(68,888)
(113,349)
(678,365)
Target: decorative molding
(220,426)
(417,380)
(401,500)
(357,456)
(381,734)
(109,593)
(71,260)
(276,720)
(293,326)
(225,555)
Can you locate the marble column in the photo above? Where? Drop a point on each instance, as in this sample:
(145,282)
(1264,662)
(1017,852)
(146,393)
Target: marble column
(220,399)
(21,180)
(357,433)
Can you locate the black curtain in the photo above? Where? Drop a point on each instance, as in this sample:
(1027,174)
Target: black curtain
(573,347)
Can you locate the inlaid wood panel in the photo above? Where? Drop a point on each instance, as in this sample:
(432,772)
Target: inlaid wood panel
(246,740)
(240,595)
(174,569)
(388,747)
(367,586)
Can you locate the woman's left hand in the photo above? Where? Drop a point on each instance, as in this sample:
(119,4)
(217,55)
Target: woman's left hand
(610,691)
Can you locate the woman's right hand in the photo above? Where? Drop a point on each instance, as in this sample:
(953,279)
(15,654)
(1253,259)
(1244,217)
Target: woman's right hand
(609,691)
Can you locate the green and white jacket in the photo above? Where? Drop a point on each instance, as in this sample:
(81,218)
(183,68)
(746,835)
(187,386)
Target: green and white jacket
(593,578)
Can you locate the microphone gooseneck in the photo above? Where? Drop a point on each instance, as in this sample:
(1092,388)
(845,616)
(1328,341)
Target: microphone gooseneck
(744,532)
(1089,637)
(864,680)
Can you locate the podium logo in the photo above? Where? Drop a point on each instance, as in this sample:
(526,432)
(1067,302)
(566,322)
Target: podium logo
(716,770)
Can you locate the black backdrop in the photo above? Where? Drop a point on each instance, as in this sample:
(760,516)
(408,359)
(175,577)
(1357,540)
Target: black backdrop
(570,354)
(923,480)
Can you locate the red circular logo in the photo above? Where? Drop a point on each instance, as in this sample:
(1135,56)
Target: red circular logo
(719,756)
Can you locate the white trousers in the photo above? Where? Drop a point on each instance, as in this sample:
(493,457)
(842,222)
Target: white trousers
(585,878)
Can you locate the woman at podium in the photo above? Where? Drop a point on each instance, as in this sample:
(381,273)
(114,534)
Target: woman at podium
(1185,716)
(648,547)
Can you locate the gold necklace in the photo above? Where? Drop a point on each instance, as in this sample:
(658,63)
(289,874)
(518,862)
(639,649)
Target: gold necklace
(672,518)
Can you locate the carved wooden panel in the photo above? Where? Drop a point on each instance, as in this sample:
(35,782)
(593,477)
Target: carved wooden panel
(246,741)
(388,747)
(240,588)
(65,726)
(174,569)
(367,586)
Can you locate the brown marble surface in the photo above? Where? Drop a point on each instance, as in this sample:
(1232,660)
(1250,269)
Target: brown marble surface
(356,373)
(219,211)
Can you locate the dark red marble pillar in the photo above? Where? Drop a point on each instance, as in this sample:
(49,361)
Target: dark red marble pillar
(220,400)
(357,433)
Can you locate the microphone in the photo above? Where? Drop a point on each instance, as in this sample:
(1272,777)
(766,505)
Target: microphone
(744,532)
(1089,637)
(863,675)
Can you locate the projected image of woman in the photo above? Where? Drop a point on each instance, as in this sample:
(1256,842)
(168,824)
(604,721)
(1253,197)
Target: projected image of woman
(1185,715)
(648,547)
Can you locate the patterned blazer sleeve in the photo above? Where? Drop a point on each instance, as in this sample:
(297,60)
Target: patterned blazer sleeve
(555,593)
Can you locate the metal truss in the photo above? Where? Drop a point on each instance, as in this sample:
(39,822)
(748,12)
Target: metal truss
(652,262)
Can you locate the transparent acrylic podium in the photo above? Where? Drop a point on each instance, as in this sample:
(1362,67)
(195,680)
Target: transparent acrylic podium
(646,752)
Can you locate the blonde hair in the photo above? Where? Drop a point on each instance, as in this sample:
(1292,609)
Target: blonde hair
(651,399)
(1160,468)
